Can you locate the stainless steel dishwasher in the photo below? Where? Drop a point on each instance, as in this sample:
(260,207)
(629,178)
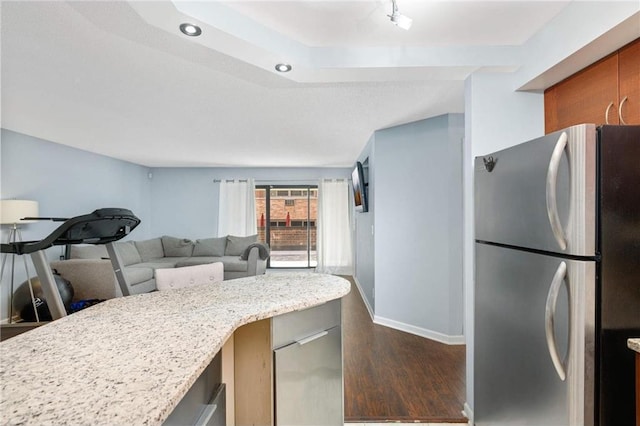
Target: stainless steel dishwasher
(308,381)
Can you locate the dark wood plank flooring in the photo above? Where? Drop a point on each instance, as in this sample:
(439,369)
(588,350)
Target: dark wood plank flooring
(390,375)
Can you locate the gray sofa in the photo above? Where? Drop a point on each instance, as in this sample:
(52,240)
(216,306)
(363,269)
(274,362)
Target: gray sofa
(90,271)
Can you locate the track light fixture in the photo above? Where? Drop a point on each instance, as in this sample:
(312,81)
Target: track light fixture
(399,19)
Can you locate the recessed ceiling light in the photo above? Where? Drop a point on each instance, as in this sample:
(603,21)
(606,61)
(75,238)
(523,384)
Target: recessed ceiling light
(283,67)
(190,30)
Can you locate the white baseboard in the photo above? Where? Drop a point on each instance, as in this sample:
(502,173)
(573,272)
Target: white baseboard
(423,332)
(364,299)
(419,331)
(468,412)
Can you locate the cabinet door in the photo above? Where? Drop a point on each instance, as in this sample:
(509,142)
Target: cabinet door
(629,76)
(584,97)
(308,381)
(204,403)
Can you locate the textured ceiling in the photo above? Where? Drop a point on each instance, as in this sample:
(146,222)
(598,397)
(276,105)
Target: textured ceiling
(117,78)
(437,23)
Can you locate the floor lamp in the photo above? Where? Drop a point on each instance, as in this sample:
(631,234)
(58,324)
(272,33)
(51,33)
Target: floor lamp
(12,213)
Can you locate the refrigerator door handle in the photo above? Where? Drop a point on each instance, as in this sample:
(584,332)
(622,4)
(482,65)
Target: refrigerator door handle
(549,317)
(552,180)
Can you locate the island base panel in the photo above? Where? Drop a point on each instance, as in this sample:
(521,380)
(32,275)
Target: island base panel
(253,374)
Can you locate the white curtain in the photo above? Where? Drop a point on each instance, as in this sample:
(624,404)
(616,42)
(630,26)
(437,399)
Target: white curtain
(237,208)
(334,234)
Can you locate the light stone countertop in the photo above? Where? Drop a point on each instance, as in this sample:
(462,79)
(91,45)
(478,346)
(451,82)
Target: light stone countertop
(634,344)
(130,360)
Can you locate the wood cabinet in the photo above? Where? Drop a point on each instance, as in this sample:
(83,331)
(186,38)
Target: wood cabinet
(606,92)
(629,83)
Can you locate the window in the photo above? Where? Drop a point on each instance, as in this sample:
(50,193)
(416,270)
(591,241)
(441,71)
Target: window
(289,203)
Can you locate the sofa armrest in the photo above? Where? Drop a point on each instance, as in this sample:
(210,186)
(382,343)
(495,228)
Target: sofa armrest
(255,265)
(90,278)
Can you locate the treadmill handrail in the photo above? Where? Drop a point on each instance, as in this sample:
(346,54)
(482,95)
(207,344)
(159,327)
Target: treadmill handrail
(53,219)
(59,236)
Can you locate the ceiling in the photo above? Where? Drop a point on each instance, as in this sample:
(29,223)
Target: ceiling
(118,78)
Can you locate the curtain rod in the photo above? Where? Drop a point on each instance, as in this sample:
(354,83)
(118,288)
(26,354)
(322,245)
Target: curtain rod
(280,180)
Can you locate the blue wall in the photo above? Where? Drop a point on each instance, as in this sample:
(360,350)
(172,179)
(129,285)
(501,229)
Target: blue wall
(69,182)
(364,264)
(184,201)
(412,277)
(66,182)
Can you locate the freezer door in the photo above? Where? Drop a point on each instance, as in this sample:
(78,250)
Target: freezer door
(540,194)
(534,339)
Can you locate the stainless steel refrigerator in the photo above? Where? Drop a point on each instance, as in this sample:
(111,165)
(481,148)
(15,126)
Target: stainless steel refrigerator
(557,291)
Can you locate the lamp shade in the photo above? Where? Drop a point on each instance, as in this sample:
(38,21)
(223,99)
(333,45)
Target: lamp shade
(11,211)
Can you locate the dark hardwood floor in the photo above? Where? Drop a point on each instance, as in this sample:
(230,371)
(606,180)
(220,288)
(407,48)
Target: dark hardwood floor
(390,375)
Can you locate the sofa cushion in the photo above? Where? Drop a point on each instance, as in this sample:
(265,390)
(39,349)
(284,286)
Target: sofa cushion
(236,245)
(88,252)
(177,247)
(198,260)
(210,247)
(167,262)
(150,249)
(138,275)
(128,252)
(235,264)
(156,264)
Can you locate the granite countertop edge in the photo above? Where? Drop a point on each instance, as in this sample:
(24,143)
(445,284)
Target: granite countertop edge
(131,360)
(634,344)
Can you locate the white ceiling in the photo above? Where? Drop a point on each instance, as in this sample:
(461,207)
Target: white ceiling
(119,79)
(365,23)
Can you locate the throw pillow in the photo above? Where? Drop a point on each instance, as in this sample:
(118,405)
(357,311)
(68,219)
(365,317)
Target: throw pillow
(236,245)
(150,249)
(177,247)
(128,252)
(210,247)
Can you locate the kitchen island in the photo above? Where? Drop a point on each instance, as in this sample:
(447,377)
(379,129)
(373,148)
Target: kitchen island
(131,360)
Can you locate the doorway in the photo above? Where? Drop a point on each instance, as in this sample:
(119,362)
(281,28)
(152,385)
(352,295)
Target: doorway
(287,218)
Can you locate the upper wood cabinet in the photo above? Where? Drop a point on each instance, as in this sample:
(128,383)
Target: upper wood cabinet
(606,92)
(629,83)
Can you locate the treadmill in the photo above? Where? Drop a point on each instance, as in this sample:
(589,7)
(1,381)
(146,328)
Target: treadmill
(102,226)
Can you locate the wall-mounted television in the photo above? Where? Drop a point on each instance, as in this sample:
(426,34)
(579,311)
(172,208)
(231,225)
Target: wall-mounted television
(359,188)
